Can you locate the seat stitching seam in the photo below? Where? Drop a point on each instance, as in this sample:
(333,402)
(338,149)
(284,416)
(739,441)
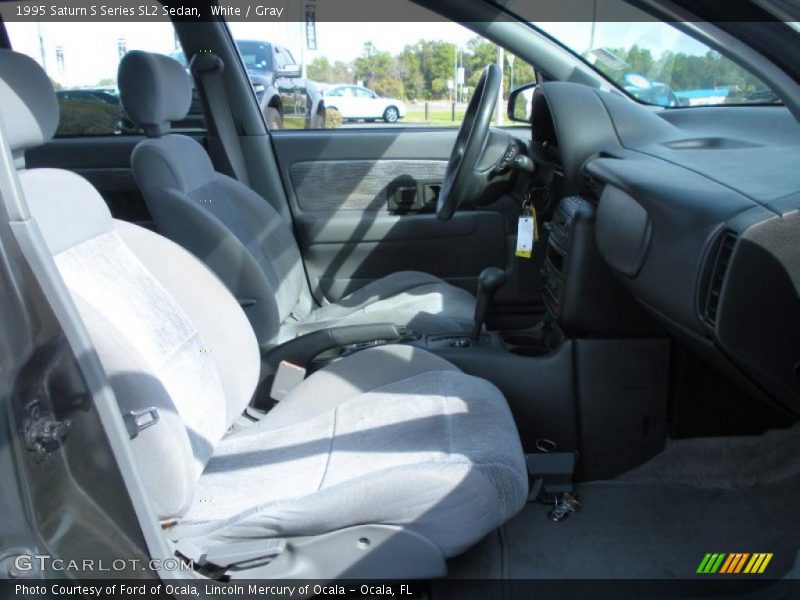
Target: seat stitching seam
(195,335)
(330,449)
(370,391)
(236,519)
(500,503)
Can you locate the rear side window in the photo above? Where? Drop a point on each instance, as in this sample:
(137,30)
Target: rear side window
(81,60)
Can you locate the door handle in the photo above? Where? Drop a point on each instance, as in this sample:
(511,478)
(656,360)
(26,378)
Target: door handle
(403,199)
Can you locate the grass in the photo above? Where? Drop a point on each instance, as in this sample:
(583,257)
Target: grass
(437,116)
(294,123)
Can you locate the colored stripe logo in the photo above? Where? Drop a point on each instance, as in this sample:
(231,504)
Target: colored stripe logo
(734,563)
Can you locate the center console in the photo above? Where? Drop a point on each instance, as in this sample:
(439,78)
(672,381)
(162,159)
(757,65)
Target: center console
(588,382)
(592,377)
(580,292)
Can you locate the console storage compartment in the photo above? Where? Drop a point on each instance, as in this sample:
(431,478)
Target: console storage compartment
(622,395)
(603,399)
(540,391)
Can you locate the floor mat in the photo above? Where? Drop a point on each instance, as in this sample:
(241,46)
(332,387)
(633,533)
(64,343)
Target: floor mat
(636,530)
(725,462)
(723,494)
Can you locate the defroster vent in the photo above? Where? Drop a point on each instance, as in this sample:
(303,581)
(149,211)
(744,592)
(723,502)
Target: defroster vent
(718,271)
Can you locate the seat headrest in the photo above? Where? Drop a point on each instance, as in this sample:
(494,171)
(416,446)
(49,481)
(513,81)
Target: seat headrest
(28,102)
(154,89)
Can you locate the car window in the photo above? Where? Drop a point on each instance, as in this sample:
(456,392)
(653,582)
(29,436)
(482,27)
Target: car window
(288,57)
(255,55)
(427,70)
(180,57)
(81,60)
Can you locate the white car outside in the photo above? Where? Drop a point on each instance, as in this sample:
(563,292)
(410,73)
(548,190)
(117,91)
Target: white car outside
(356,102)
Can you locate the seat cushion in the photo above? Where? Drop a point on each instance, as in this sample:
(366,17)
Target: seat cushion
(417,300)
(391,435)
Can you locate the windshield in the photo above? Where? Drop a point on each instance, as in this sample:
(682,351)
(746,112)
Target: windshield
(255,55)
(655,63)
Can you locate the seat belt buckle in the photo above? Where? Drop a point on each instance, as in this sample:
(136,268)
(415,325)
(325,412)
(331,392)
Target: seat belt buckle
(287,376)
(137,421)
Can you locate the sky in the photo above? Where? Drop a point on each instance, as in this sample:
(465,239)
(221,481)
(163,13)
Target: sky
(90,51)
(345,41)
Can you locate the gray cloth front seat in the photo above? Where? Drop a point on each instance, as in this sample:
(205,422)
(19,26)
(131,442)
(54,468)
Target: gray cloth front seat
(388,437)
(241,237)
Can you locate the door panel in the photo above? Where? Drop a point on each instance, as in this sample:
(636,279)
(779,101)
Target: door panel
(105,161)
(344,188)
(345,253)
(357,185)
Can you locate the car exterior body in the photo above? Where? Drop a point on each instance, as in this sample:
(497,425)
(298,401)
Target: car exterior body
(357,102)
(287,100)
(105,96)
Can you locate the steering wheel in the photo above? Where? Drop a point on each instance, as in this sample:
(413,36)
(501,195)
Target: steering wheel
(462,179)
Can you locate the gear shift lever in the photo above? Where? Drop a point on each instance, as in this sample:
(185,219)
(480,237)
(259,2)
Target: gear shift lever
(490,280)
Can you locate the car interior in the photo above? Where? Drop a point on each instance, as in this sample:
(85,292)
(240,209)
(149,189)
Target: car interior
(321,354)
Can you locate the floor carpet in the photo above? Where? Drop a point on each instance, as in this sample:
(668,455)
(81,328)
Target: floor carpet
(659,520)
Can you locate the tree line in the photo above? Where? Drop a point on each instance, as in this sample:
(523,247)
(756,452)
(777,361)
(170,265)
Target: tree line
(681,71)
(421,71)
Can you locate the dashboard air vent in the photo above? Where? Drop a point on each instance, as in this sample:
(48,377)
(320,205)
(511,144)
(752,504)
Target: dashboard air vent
(717,279)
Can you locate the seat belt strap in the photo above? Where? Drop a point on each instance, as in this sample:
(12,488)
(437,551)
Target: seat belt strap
(206,68)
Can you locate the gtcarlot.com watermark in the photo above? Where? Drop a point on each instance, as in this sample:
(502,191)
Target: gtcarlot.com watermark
(25,563)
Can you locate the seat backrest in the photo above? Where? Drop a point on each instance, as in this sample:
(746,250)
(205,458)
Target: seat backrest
(237,233)
(168,333)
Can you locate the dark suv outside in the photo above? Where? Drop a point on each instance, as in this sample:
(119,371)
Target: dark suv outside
(287,99)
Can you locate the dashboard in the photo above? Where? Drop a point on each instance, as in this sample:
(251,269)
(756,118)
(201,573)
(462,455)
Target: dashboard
(697,215)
